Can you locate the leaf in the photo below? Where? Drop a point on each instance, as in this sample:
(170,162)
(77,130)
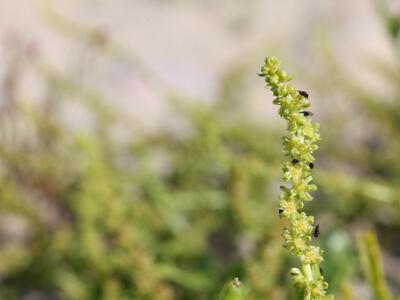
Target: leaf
(370,257)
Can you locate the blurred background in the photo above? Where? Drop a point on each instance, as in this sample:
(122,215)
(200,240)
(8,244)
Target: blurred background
(140,154)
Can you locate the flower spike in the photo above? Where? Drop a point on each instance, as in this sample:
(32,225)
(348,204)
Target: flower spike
(299,146)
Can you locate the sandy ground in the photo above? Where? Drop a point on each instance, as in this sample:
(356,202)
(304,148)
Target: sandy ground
(187,46)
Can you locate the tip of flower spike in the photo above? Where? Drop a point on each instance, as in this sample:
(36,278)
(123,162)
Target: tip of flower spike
(271,60)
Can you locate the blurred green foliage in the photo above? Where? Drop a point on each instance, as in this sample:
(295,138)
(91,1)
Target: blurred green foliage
(371,262)
(167,215)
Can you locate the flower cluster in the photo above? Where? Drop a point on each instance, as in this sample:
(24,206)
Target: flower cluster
(298,146)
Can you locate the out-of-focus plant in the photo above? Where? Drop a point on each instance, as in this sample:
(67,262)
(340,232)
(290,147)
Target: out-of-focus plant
(298,147)
(159,216)
(171,215)
(361,173)
(370,258)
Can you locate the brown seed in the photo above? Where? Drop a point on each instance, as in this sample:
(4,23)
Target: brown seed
(316,231)
(307,113)
(303,93)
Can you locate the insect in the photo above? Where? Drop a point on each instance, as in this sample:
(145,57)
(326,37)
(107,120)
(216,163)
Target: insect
(307,113)
(311,165)
(316,231)
(295,161)
(303,93)
(280,210)
(321,271)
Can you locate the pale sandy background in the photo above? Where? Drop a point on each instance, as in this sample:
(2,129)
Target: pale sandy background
(185,47)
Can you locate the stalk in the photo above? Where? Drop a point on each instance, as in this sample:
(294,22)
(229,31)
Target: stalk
(298,146)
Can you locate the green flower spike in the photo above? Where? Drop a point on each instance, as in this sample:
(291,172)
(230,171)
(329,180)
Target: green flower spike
(298,146)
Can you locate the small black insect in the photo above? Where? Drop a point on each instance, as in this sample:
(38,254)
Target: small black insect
(321,271)
(316,231)
(307,113)
(303,93)
(295,161)
(280,210)
(311,165)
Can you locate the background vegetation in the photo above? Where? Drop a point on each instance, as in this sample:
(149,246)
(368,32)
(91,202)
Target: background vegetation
(107,210)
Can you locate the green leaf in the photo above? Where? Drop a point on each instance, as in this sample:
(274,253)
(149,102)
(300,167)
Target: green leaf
(371,263)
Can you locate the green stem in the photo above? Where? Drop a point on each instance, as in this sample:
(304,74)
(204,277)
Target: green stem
(308,273)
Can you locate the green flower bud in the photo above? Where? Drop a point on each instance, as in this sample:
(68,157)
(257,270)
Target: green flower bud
(295,272)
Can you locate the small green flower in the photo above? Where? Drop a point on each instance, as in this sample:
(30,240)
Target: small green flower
(312,256)
(303,225)
(289,209)
(303,187)
(299,146)
(292,172)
